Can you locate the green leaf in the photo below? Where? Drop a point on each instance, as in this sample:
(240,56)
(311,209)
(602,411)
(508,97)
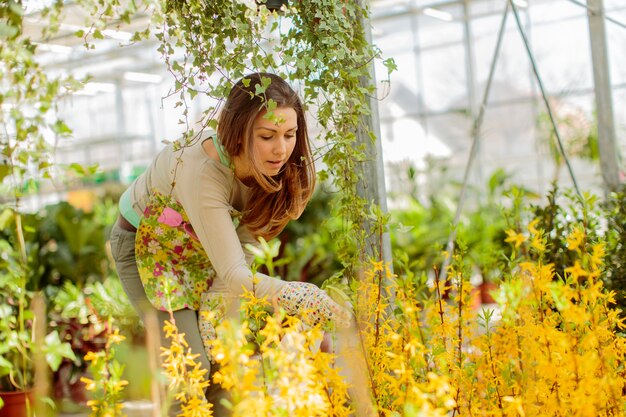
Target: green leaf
(16,8)
(60,128)
(5,366)
(6,217)
(5,171)
(56,350)
(212,124)
(7,31)
(82,170)
(255,250)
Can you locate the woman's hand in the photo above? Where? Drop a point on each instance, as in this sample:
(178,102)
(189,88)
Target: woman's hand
(312,304)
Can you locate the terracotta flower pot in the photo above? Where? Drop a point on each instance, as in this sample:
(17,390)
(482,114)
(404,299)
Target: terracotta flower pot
(486,288)
(15,403)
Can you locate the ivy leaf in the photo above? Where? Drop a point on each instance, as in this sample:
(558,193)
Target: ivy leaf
(259,90)
(16,8)
(43,165)
(390,64)
(271,105)
(212,124)
(81,170)
(60,128)
(7,31)
(5,171)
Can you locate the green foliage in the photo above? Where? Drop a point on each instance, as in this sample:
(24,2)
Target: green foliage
(28,109)
(17,342)
(308,248)
(63,243)
(81,315)
(73,245)
(28,99)
(560,216)
(317,43)
(420,231)
(615,277)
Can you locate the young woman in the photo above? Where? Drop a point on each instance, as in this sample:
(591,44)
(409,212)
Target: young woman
(184,222)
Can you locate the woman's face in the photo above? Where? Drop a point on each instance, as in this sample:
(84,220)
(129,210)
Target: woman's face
(274,139)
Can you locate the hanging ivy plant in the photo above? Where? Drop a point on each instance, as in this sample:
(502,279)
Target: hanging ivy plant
(318,43)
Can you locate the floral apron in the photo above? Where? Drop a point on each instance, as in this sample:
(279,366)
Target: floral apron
(173,265)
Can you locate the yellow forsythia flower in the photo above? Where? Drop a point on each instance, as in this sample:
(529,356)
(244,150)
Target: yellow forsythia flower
(575,238)
(576,271)
(515,238)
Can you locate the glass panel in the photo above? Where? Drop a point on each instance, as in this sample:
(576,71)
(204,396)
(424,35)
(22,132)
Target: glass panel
(400,96)
(563,55)
(90,115)
(436,32)
(555,11)
(395,39)
(431,3)
(616,43)
(444,78)
(512,76)
(619,104)
(137,102)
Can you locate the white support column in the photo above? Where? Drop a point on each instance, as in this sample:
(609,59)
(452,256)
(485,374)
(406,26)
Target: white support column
(609,152)
(371,186)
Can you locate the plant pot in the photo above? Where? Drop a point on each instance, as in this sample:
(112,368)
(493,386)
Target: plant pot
(485,292)
(475,299)
(15,404)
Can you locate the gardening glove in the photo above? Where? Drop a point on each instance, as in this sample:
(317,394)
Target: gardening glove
(312,304)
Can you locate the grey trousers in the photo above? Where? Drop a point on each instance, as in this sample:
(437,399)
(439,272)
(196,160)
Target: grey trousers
(123,252)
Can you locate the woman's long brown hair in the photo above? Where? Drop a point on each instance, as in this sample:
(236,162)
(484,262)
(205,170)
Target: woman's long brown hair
(276,200)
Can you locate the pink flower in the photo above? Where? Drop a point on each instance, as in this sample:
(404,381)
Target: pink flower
(158,269)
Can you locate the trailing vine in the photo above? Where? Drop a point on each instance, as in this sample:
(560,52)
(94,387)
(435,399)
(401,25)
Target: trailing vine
(319,44)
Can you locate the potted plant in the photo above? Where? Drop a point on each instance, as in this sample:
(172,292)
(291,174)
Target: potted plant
(18,344)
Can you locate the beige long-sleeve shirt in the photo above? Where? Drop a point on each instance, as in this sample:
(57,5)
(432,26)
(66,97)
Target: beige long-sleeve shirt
(208,191)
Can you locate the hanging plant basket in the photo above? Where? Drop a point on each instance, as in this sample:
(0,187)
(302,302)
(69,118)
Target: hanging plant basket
(273,5)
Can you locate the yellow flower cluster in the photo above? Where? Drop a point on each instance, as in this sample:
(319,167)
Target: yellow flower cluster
(106,384)
(187,379)
(399,363)
(272,366)
(552,347)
